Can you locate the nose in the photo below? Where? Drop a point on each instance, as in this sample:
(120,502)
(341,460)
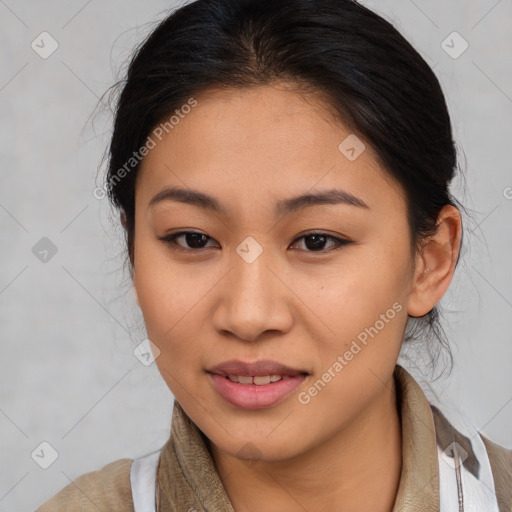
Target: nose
(252,300)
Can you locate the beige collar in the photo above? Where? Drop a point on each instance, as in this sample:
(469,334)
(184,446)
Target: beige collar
(187,476)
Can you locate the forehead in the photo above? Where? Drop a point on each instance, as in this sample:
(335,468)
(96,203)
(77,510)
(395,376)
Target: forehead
(260,143)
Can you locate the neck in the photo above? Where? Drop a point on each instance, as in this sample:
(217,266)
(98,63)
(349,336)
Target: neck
(358,469)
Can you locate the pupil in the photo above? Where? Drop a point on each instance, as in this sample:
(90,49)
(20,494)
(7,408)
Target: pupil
(191,235)
(318,238)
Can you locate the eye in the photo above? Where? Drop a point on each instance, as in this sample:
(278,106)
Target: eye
(317,241)
(195,240)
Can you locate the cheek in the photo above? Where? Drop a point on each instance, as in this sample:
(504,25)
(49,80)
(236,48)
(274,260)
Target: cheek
(364,286)
(165,295)
(164,288)
(365,309)
(170,310)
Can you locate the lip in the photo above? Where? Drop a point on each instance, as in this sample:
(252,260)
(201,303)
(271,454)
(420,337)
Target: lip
(255,369)
(253,396)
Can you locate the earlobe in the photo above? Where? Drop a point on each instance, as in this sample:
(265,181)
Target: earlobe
(420,302)
(435,263)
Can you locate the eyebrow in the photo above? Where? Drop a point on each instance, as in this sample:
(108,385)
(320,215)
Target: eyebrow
(283,207)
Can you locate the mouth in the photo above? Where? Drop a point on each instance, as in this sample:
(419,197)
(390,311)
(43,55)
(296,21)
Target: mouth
(263,368)
(259,380)
(255,385)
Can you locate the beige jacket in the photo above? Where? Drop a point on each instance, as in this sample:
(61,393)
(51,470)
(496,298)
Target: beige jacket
(187,478)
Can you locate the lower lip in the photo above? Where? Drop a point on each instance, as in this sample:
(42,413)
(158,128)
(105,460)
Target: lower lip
(252,396)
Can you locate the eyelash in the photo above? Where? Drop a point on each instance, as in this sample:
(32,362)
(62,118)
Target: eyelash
(171,241)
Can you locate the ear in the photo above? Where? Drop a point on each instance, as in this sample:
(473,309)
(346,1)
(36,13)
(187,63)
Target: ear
(435,263)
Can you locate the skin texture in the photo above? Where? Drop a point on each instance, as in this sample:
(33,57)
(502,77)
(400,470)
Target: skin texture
(296,305)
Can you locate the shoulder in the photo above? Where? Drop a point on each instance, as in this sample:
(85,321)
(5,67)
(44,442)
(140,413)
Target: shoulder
(107,488)
(500,459)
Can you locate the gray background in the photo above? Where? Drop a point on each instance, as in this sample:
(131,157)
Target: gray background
(69,326)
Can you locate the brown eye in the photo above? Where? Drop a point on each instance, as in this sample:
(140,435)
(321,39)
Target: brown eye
(315,242)
(194,241)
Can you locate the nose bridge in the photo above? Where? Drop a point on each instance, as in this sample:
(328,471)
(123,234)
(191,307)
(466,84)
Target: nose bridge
(251,278)
(251,299)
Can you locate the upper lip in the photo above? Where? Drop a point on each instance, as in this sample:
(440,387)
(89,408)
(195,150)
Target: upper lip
(255,369)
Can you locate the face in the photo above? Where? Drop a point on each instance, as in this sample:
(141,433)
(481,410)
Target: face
(320,285)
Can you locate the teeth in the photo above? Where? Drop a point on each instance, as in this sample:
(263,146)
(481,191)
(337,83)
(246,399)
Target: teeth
(259,380)
(244,380)
(263,379)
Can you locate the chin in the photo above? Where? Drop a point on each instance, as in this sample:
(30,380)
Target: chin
(259,448)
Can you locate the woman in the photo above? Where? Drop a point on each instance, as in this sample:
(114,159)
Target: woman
(282,169)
